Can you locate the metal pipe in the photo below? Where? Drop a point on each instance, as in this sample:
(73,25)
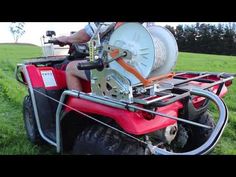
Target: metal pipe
(191,79)
(171,117)
(218,82)
(102,100)
(157,99)
(125,106)
(218,74)
(35,106)
(16,72)
(172,100)
(59,108)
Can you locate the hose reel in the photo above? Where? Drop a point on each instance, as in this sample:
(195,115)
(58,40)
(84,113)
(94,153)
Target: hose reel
(154,50)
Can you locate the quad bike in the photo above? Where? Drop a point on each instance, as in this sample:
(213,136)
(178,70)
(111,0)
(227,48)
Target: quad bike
(133,103)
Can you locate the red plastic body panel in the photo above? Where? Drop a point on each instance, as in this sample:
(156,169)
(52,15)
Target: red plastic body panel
(59,76)
(37,80)
(132,122)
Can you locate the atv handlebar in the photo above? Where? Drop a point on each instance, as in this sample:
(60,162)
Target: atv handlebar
(57,42)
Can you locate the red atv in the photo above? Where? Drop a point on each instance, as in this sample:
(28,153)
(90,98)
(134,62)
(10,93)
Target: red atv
(127,107)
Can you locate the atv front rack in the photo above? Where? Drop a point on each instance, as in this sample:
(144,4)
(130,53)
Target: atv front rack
(179,87)
(202,85)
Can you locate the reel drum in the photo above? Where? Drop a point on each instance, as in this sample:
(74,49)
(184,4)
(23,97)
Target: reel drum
(154,50)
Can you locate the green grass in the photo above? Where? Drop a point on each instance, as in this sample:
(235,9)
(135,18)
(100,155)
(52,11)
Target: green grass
(203,62)
(12,133)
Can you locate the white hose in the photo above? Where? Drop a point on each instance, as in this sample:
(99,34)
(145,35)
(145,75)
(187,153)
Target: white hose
(160,53)
(166,50)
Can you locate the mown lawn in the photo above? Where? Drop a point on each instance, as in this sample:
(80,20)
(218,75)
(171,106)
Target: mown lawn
(12,134)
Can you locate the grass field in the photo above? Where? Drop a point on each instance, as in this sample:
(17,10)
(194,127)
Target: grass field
(12,134)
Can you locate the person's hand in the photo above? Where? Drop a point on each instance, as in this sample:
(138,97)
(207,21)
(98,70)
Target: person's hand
(64,40)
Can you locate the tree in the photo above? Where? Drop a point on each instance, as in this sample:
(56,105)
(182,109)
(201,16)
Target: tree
(171,29)
(190,37)
(17,30)
(180,38)
(206,38)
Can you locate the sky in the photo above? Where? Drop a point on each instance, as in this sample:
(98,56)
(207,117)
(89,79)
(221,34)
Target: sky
(35,30)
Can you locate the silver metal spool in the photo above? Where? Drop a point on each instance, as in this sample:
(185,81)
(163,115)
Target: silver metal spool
(154,50)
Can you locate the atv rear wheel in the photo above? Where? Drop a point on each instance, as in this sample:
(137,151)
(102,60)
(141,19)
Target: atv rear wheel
(30,122)
(101,140)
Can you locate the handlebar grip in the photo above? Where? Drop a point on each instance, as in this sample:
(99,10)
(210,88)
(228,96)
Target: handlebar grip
(56,42)
(98,64)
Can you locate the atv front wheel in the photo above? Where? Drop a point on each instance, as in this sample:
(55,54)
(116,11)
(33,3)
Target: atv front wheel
(199,135)
(30,122)
(101,140)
